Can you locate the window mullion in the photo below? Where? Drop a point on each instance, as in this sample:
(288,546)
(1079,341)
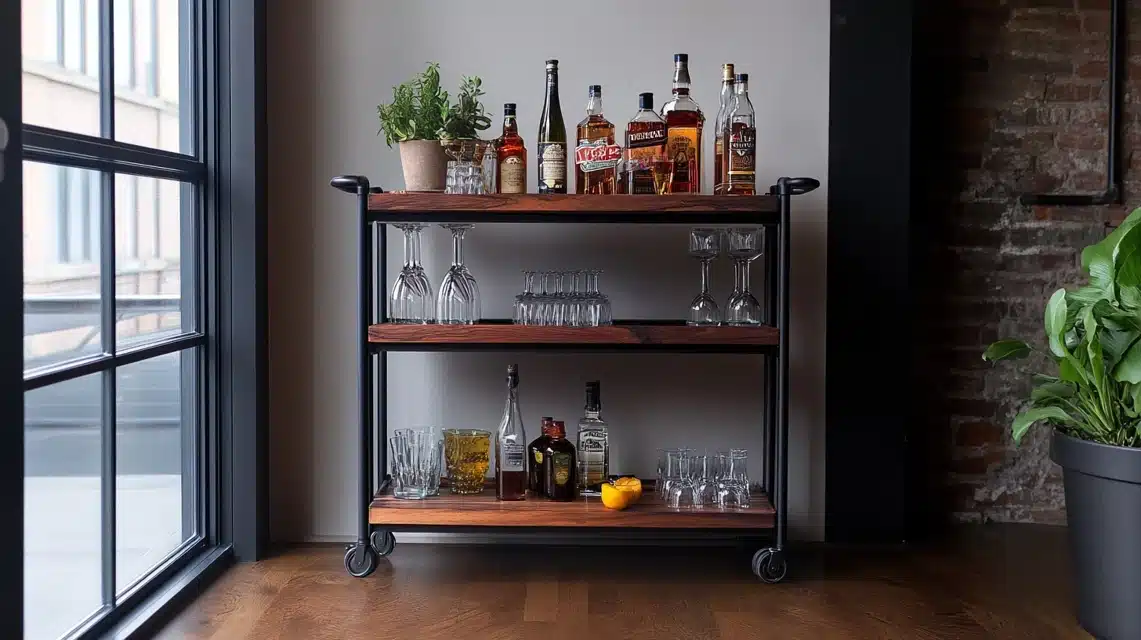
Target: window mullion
(107,69)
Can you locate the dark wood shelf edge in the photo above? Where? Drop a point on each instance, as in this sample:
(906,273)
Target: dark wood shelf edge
(618,335)
(613,205)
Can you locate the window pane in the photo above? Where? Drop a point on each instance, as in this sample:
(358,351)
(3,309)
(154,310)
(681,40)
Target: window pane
(61,64)
(61,264)
(150,274)
(155,505)
(152,64)
(62,540)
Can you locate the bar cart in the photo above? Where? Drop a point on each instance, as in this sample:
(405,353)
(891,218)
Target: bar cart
(381,514)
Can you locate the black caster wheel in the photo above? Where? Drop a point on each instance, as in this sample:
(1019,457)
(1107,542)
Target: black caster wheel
(360,560)
(382,541)
(770,565)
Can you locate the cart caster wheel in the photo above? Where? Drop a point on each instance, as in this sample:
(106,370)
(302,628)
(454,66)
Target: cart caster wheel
(770,565)
(382,541)
(360,560)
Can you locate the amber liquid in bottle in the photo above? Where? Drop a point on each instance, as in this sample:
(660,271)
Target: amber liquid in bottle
(684,122)
(720,169)
(648,169)
(511,156)
(560,466)
(510,447)
(741,142)
(535,459)
(596,154)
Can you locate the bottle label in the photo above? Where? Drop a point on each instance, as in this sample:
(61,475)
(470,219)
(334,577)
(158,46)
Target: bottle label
(644,150)
(651,138)
(512,175)
(681,145)
(514,457)
(552,165)
(596,155)
(538,457)
(561,465)
(743,151)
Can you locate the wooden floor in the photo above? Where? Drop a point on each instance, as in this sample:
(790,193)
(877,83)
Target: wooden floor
(987,582)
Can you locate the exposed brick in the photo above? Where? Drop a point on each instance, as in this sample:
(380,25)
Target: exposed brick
(977,434)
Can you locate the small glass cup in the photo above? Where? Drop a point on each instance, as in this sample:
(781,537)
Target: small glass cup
(468,456)
(415,456)
(733,487)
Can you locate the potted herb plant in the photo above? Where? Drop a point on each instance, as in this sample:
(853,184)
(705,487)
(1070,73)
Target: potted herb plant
(1092,400)
(420,118)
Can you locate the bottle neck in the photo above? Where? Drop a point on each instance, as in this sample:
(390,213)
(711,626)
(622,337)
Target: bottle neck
(552,87)
(741,88)
(727,89)
(681,79)
(510,126)
(594,106)
(593,413)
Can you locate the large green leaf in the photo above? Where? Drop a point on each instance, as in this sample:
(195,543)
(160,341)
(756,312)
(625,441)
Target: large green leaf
(1004,349)
(1056,323)
(1115,343)
(1085,295)
(1026,419)
(1130,297)
(1052,392)
(1128,369)
(1127,259)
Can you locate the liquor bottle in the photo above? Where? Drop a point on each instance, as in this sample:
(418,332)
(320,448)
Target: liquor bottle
(511,155)
(559,466)
(719,171)
(535,458)
(646,151)
(510,450)
(684,121)
(742,142)
(596,156)
(593,444)
(552,137)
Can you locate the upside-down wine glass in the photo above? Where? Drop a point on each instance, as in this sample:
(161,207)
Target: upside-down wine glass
(525,302)
(458,302)
(745,245)
(411,300)
(705,245)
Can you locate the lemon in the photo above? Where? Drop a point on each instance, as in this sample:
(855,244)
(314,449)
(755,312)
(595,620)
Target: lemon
(622,493)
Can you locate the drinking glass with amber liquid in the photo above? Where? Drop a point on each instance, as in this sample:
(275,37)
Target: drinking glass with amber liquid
(467,453)
(663,171)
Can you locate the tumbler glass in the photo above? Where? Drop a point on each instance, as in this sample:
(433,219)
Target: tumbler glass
(411,300)
(415,456)
(458,302)
(467,453)
(733,488)
(705,478)
(683,493)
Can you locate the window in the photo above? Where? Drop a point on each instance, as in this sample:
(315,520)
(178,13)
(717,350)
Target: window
(115,334)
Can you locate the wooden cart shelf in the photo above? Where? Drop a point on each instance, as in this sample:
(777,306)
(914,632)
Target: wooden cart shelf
(675,209)
(658,336)
(483,510)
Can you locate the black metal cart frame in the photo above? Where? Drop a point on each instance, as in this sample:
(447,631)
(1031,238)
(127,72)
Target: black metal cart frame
(361,557)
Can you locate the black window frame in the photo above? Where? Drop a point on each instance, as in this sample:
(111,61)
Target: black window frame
(230,165)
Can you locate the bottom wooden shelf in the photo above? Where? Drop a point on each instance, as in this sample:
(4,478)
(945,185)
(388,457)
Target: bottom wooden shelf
(483,510)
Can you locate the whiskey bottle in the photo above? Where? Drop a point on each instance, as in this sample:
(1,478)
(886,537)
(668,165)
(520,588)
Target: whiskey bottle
(684,121)
(510,450)
(593,444)
(535,458)
(511,155)
(552,137)
(719,170)
(646,151)
(596,156)
(559,466)
(742,142)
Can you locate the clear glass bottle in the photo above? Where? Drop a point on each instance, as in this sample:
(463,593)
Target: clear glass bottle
(741,141)
(511,445)
(684,121)
(593,444)
(727,82)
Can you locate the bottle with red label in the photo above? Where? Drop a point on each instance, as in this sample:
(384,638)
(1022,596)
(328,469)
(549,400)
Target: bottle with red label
(596,155)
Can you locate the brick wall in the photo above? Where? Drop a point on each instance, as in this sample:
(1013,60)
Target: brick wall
(1015,101)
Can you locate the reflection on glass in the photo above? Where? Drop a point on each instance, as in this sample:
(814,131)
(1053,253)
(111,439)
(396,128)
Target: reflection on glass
(150,274)
(61,264)
(154,502)
(62,498)
(60,55)
(150,54)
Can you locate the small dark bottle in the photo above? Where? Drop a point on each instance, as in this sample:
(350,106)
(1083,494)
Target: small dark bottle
(559,466)
(535,458)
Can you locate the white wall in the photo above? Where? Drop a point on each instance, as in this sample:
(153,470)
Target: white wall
(332,61)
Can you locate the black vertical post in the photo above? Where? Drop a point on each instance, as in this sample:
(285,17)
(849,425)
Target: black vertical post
(772,272)
(780,481)
(365,381)
(381,315)
(109,422)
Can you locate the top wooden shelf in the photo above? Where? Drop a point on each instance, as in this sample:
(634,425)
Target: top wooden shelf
(625,209)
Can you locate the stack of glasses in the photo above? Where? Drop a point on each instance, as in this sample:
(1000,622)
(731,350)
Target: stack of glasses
(743,245)
(416,456)
(686,480)
(577,304)
(412,300)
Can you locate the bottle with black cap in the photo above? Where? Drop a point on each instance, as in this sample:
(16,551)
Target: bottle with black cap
(646,151)
(552,139)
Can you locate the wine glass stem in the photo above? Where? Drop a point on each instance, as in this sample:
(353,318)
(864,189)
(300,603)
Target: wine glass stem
(736,276)
(457,247)
(408,248)
(415,247)
(705,276)
(744,277)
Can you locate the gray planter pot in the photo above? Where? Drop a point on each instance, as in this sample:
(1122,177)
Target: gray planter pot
(425,165)
(1103,510)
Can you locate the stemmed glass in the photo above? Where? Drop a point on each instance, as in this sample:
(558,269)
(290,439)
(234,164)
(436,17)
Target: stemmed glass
(458,302)
(599,303)
(705,245)
(745,245)
(525,302)
(411,300)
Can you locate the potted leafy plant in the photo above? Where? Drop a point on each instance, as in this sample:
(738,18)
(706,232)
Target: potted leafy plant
(1093,402)
(420,117)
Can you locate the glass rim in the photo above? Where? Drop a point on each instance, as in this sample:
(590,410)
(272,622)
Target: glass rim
(469,433)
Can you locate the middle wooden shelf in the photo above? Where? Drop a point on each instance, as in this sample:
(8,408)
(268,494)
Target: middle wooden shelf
(641,336)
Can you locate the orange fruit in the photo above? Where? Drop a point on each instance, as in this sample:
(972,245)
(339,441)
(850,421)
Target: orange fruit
(621,493)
